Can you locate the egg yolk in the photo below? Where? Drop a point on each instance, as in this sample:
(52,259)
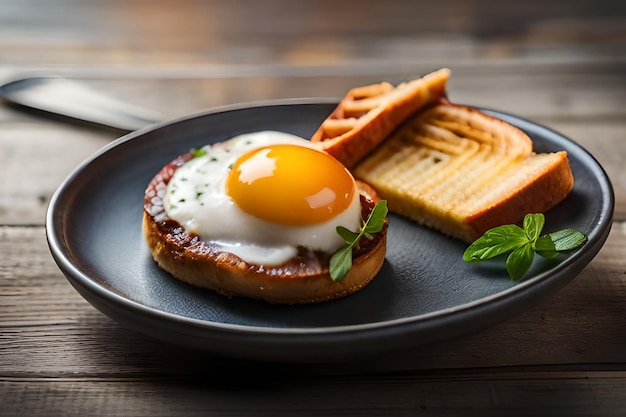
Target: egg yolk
(290,184)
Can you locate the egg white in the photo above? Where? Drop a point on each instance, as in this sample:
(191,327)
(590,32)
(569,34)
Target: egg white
(196,198)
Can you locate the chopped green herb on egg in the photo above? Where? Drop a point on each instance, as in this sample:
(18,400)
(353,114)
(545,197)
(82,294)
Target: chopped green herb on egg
(197,152)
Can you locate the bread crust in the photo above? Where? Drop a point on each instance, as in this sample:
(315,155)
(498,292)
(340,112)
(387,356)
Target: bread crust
(304,279)
(537,196)
(368,114)
(460,171)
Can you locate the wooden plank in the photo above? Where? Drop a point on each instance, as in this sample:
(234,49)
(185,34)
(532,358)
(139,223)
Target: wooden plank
(220,17)
(196,24)
(34,160)
(268,392)
(605,141)
(118,35)
(589,95)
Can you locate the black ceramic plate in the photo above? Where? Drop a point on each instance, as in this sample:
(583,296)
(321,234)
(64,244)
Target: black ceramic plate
(424,292)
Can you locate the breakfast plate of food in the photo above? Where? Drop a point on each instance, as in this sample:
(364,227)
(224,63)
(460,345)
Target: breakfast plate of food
(325,229)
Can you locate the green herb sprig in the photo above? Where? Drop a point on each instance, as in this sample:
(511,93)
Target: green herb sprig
(523,243)
(341,261)
(197,152)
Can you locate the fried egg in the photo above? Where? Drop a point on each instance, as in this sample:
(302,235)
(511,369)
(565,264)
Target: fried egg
(262,195)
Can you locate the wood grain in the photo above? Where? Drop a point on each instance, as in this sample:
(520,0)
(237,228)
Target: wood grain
(557,62)
(473,394)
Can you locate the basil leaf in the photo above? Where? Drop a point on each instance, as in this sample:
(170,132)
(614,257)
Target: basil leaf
(533,225)
(340,263)
(519,261)
(495,242)
(567,239)
(544,246)
(523,243)
(376,219)
(347,235)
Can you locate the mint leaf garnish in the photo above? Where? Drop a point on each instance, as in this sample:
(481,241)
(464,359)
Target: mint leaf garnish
(341,261)
(523,243)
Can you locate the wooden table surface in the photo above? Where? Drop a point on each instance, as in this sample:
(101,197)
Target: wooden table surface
(559,63)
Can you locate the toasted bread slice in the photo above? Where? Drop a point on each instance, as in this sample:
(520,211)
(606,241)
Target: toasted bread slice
(367,115)
(461,171)
(303,279)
